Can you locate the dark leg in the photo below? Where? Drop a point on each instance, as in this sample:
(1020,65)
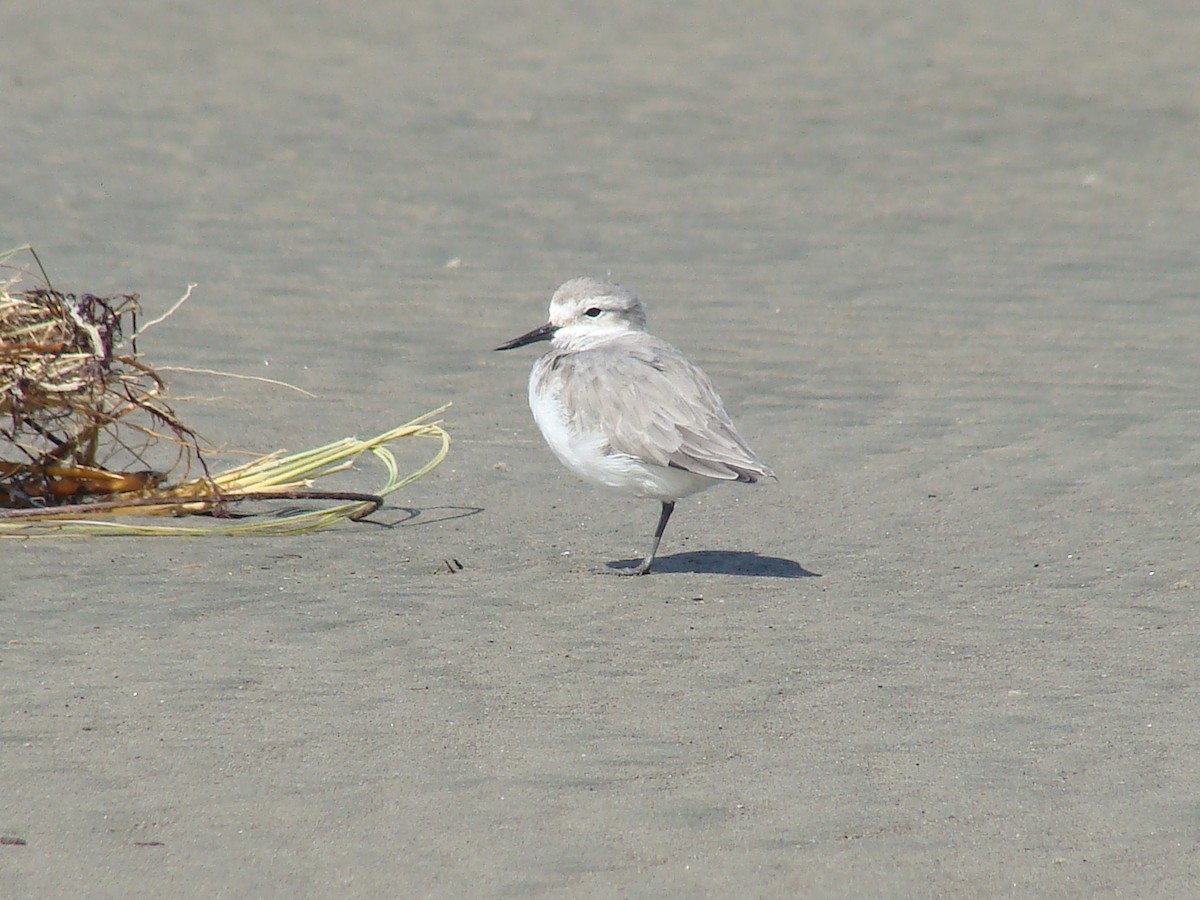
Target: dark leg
(667,509)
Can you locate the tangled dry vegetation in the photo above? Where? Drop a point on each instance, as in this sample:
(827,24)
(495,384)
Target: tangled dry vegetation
(86,431)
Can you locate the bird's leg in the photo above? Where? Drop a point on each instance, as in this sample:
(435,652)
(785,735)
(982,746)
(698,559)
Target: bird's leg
(667,509)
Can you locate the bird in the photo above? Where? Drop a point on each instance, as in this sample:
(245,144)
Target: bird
(625,410)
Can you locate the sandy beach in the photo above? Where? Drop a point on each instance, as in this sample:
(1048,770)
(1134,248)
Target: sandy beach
(941,260)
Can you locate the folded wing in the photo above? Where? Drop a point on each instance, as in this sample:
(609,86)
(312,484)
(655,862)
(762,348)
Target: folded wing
(652,403)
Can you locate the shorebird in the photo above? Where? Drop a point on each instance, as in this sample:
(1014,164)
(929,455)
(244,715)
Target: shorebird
(625,410)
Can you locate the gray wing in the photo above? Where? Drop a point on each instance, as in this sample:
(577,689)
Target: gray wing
(652,403)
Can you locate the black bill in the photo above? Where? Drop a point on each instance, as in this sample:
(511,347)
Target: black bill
(544,333)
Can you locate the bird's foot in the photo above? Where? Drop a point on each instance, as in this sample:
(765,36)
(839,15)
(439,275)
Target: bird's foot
(642,569)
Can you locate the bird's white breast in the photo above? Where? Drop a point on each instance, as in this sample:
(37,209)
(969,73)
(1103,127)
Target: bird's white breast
(589,455)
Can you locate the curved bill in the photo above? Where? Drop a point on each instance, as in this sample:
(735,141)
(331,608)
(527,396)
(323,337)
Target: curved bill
(542,333)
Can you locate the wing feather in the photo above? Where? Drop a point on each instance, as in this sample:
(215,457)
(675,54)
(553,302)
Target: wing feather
(650,402)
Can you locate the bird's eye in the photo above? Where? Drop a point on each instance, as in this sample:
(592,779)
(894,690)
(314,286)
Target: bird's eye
(593,312)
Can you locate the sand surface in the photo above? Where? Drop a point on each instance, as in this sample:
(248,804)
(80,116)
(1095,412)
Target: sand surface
(942,261)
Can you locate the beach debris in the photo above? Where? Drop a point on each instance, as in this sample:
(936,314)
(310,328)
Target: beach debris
(86,432)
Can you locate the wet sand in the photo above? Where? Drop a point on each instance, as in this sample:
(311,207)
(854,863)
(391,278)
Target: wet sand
(941,262)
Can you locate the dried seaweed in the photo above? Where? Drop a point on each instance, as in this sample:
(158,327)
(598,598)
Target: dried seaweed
(85,430)
(79,410)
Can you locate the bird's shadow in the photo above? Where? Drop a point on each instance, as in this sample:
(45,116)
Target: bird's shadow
(722,562)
